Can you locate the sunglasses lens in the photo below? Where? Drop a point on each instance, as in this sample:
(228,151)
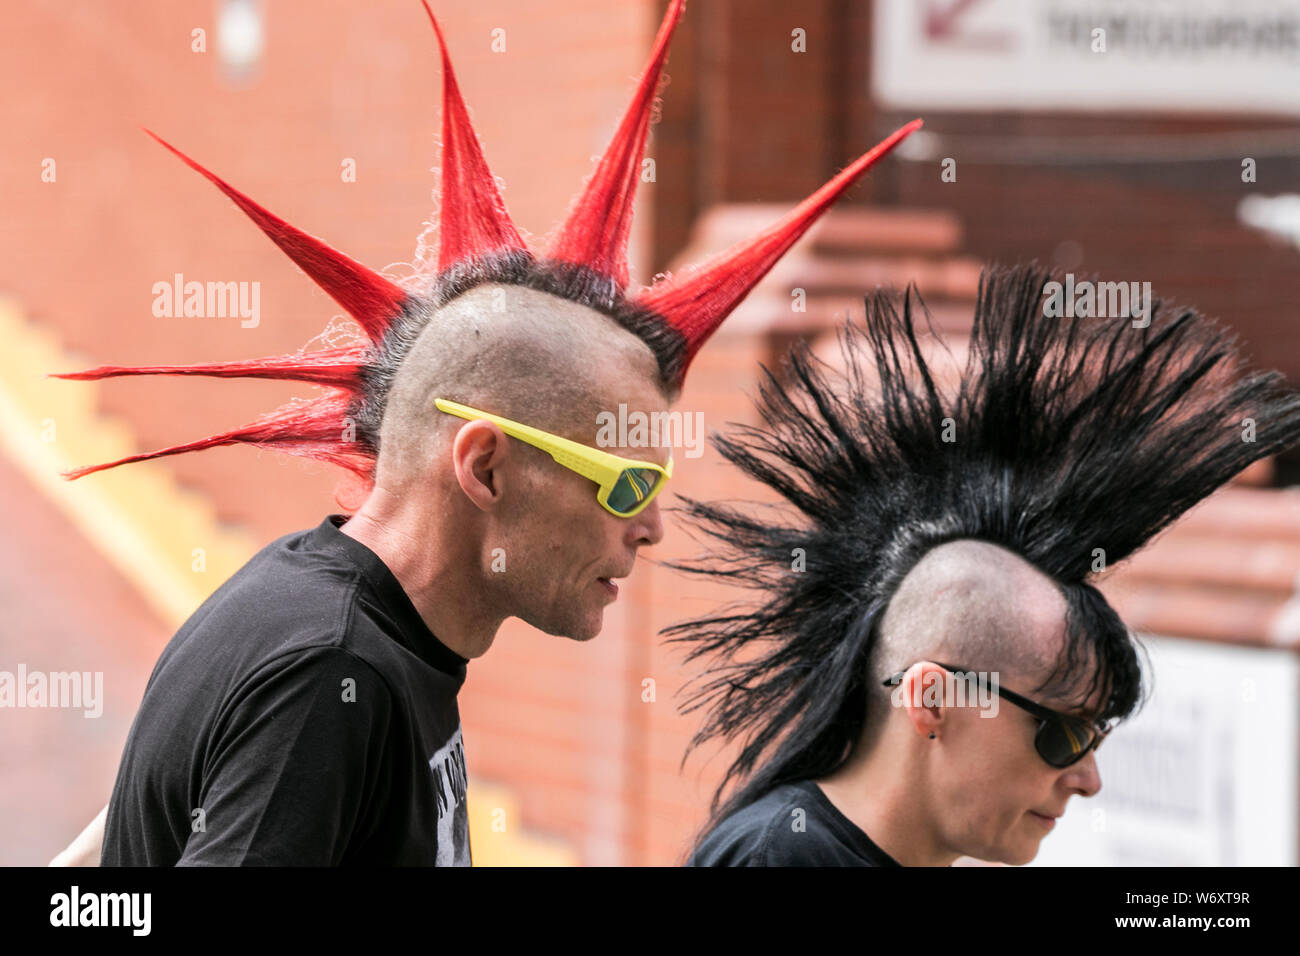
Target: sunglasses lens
(634,486)
(1063,742)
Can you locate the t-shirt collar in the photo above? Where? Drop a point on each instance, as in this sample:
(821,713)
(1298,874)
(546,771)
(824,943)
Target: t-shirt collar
(850,831)
(392,597)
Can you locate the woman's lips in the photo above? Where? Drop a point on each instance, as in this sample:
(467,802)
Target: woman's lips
(1044,819)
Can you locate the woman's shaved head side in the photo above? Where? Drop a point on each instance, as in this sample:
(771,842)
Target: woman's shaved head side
(975,605)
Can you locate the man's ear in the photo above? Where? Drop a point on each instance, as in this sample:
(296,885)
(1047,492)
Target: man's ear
(478,452)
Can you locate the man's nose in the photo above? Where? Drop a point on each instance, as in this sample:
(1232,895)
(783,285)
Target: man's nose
(648,526)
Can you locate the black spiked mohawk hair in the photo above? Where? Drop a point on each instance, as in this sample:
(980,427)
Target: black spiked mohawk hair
(1064,435)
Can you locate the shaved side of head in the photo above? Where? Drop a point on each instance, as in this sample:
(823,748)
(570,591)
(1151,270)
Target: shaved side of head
(974,605)
(517,352)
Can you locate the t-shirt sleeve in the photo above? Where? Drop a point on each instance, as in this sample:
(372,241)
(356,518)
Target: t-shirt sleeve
(292,767)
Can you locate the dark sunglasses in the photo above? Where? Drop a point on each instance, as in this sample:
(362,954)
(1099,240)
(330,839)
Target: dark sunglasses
(1061,739)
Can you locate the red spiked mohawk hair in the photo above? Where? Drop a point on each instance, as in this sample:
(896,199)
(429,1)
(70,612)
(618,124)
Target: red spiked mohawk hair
(586,262)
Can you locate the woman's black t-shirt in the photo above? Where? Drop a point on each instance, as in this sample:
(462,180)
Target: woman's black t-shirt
(792,825)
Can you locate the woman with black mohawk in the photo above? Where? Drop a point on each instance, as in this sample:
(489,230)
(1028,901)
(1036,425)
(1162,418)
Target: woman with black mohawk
(930,667)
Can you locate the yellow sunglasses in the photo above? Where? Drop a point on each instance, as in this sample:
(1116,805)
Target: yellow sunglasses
(626,485)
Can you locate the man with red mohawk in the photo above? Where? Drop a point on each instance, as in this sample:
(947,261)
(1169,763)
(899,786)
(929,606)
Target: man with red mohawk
(306,713)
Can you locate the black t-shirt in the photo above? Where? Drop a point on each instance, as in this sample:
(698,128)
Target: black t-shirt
(792,825)
(304,715)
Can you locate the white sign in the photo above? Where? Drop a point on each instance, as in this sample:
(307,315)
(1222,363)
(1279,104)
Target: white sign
(1227,56)
(1204,775)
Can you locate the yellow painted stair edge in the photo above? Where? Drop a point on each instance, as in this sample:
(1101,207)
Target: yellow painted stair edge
(497,838)
(166,540)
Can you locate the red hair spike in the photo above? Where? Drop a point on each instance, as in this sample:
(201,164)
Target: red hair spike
(367,296)
(312,429)
(595,234)
(473,220)
(338,367)
(696,300)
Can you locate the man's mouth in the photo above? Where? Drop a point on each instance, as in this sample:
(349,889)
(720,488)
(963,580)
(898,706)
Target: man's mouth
(609,586)
(1043,818)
